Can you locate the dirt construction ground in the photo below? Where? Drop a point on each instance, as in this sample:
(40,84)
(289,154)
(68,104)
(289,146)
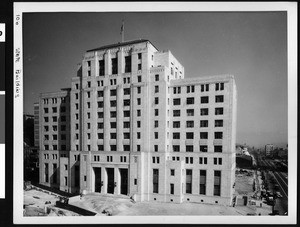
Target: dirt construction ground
(34,202)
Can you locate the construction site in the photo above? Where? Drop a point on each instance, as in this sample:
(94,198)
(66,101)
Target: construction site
(248,200)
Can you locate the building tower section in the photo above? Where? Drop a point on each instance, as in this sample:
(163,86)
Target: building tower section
(137,127)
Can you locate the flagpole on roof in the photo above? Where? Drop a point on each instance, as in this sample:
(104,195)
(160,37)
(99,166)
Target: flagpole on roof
(122,31)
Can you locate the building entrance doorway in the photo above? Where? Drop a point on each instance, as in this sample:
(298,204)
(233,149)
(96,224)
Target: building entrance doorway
(124,181)
(98,182)
(110,180)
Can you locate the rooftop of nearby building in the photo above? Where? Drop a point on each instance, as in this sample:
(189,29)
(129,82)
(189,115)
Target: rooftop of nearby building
(119,44)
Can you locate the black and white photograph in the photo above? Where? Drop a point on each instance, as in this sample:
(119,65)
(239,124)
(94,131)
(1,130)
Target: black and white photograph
(155,113)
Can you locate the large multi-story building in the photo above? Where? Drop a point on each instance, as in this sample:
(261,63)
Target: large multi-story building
(132,124)
(269,149)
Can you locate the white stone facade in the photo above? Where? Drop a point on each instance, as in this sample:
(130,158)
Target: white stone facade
(136,127)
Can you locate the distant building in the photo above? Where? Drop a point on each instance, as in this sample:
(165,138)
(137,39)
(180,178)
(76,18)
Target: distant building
(36,125)
(131,124)
(268,149)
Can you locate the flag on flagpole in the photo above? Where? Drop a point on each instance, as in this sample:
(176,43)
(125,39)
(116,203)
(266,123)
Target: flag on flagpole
(122,27)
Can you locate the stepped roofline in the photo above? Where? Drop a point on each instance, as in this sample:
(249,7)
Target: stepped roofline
(119,44)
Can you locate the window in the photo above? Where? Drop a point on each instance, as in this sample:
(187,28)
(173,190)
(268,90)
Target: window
(156,100)
(190,124)
(217,183)
(190,101)
(172,172)
(139,101)
(190,112)
(63,137)
(220,161)
(46,128)
(204,87)
(156,112)
(126,113)
(204,123)
(139,90)
(76,86)
(126,135)
(176,148)
(113,103)
(126,91)
(215,161)
(113,114)
(138,147)
(100,104)
(189,148)
(218,135)
(176,101)
(139,79)
(156,135)
(176,124)
(77,116)
(156,89)
(126,124)
(219,98)
(156,77)
(54,137)
(63,118)
(54,109)
(54,128)
(54,119)
(126,147)
(203,135)
(114,66)
(176,113)
(188,187)
(203,148)
(218,123)
(176,135)
(218,149)
(113,135)
(202,182)
(101,68)
(127,64)
(190,89)
(76,106)
(138,124)
(189,135)
(113,148)
(46,137)
(113,92)
(155,124)
(155,180)
(126,102)
(100,147)
(100,114)
(88,125)
(176,90)
(138,135)
(76,95)
(100,135)
(219,111)
(113,124)
(204,111)
(89,84)
(139,66)
(100,125)
(76,126)
(89,136)
(156,148)
(172,189)
(219,86)
(204,99)
(63,109)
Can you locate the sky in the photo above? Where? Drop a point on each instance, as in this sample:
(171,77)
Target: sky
(252,46)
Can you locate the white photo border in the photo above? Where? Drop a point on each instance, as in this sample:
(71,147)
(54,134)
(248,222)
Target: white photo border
(289,7)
